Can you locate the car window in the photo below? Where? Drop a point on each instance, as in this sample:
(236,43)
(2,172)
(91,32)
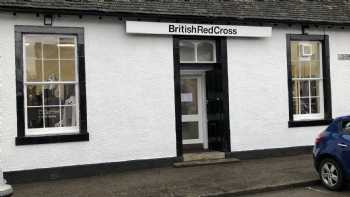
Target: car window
(346,126)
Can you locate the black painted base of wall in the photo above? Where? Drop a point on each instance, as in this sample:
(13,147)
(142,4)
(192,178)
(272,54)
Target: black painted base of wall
(266,153)
(58,173)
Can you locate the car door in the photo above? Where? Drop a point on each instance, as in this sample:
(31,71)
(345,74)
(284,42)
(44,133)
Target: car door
(343,144)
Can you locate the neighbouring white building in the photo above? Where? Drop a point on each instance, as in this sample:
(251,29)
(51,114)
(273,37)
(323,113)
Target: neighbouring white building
(92,86)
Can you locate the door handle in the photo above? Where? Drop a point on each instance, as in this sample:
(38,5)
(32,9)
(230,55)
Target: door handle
(342,145)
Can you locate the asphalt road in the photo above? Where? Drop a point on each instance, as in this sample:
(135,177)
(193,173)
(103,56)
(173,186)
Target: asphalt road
(315,191)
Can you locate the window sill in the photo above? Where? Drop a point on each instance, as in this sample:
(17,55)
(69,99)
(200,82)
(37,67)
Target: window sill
(308,123)
(52,139)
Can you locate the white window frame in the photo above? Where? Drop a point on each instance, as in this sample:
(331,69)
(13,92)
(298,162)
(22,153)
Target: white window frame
(51,130)
(196,43)
(311,116)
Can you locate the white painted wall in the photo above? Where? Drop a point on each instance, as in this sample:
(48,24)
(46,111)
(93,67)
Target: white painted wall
(130,97)
(258,90)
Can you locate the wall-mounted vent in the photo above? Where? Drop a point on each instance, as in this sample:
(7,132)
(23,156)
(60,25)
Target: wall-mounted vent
(305,50)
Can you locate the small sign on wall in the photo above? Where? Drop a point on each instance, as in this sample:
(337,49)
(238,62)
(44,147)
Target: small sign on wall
(186,97)
(344,57)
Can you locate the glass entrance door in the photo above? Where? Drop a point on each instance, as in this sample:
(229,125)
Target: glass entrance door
(192,107)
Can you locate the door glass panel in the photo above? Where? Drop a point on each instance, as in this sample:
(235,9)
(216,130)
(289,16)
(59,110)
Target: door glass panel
(189,96)
(190,130)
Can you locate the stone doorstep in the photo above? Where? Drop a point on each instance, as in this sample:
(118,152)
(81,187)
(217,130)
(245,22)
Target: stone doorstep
(204,162)
(203,156)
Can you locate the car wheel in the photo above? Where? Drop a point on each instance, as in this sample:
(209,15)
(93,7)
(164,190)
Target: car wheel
(331,174)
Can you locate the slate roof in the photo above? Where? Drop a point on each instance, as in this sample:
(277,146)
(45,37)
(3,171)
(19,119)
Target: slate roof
(314,11)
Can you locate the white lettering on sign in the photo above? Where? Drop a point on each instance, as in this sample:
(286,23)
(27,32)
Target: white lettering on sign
(139,27)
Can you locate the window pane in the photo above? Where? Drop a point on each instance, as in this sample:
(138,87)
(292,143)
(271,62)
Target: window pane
(305,69)
(316,51)
(51,70)
(346,126)
(190,130)
(205,52)
(34,70)
(51,94)
(315,105)
(35,117)
(69,116)
(189,96)
(294,51)
(296,106)
(304,106)
(296,88)
(67,70)
(67,92)
(304,88)
(315,88)
(186,51)
(52,116)
(50,58)
(315,69)
(34,95)
(50,48)
(306,65)
(67,48)
(295,69)
(32,47)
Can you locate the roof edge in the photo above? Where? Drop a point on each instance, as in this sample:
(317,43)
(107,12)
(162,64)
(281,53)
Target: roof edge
(164,17)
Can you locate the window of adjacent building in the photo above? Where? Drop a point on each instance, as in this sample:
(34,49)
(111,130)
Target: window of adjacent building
(197,51)
(50,84)
(309,81)
(307,86)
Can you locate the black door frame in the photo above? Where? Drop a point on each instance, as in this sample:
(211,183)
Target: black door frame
(221,54)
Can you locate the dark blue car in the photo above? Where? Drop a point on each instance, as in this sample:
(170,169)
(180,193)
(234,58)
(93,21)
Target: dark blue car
(332,153)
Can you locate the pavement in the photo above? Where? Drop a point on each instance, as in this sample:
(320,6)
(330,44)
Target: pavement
(313,191)
(212,180)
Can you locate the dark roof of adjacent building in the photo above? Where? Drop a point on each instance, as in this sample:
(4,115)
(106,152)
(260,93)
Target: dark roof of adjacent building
(305,11)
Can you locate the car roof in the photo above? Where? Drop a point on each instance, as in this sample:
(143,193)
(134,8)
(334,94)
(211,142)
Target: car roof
(342,118)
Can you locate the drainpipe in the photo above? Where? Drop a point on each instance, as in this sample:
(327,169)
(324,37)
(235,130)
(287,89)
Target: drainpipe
(5,189)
